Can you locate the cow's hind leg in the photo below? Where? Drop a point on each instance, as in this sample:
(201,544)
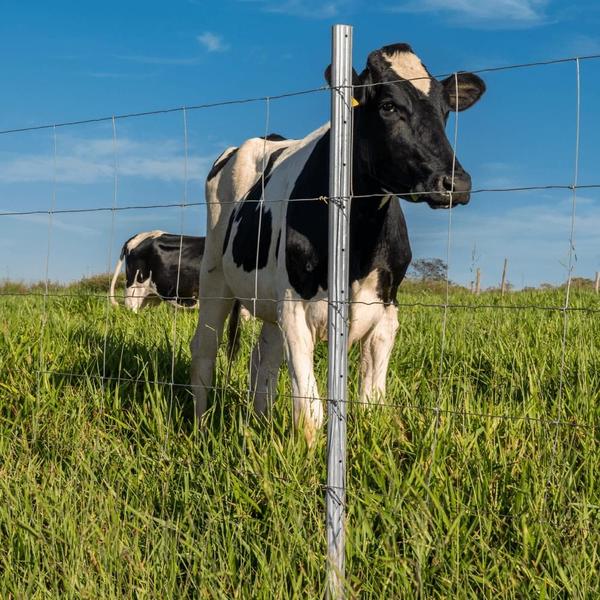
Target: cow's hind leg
(204,345)
(266,359)
(299,348)
(375,357)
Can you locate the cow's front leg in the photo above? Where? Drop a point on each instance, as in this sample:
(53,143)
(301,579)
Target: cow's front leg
(375,357)
(266,359)
(204,345)
(299,347)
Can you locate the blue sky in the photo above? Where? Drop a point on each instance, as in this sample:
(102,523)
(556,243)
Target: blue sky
(65,61)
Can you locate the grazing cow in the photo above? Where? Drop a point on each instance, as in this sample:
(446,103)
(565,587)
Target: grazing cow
(277,251)
(160,266)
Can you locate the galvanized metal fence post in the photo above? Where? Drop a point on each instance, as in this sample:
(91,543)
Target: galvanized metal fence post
(340,179)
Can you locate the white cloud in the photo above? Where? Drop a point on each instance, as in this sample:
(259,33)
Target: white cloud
(85,161)
(313,9)
(115,75)
(532,232)
(492,13)
(59,224)
(212,42)
(583,45)
(161,60)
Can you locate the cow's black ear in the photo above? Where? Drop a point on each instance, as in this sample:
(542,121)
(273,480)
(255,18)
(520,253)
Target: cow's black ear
(355,77)
(363,89)
(469,86)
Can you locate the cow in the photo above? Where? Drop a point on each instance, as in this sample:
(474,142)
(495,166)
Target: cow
(267,236)
(160,266)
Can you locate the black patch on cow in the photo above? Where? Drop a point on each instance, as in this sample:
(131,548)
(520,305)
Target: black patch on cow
(277,245)
(172,261)
(228,231)
(378,235)
(307,225)
(393,48)
(274,137)
(219,164)
(252,217)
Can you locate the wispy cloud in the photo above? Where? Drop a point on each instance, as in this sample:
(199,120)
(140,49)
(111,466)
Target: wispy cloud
(484,13)
(533,233)
(212,42)
(115,75)
(160,60)
(582,45)
(313,9)
(85,161)
(500,175)
(59,224)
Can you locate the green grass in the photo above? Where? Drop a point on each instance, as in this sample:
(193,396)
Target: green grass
(107,491)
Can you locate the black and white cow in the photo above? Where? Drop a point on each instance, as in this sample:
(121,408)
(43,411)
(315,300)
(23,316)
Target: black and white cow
(400,149)
(160,266)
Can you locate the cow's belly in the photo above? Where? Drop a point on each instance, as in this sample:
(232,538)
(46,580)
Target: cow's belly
(367,308)
(255,289)
(365,311)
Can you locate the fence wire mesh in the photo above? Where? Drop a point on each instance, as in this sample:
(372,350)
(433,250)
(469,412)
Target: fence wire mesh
(447,305)
(436,406)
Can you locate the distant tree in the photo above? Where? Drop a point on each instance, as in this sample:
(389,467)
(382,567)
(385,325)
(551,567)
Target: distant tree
(429,269)
(581,282)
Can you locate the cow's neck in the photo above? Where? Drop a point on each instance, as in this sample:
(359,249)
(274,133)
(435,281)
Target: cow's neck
(378,238)
(370,200)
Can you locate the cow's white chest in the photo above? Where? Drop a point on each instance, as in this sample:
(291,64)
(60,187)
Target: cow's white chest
(365,311)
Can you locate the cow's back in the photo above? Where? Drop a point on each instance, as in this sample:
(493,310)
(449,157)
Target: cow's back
(236,215)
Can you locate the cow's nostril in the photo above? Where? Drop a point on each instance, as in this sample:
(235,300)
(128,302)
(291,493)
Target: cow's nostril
(458,185)
(447,183)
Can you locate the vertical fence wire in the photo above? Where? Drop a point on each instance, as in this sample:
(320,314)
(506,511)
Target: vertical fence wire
(438,402)
(255,349)
(572,258)
(44,319)
(175,301)
(109,259)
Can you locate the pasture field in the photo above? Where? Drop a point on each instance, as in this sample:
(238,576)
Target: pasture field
(107,490)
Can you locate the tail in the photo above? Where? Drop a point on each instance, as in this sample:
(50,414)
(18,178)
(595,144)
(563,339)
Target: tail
(111,293)
(233,338)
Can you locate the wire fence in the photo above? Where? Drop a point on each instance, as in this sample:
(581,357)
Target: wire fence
(438,409)
(45,293)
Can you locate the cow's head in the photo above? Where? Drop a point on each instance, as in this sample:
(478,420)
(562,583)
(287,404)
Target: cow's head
(140,289)
(400,120)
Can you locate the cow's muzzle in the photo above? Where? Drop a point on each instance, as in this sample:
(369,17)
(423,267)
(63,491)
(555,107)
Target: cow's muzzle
(450,191)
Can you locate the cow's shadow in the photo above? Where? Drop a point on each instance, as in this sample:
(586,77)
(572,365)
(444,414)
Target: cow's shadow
(136,372)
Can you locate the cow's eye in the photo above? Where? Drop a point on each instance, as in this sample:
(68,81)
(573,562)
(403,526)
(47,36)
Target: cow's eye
(388,107)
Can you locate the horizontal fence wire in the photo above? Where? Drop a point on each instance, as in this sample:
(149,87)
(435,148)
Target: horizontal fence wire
(456,509)
(324,88)
(400,304)
(95,209)
(399,405)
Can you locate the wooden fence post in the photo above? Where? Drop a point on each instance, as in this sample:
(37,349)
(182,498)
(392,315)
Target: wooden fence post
(503,284)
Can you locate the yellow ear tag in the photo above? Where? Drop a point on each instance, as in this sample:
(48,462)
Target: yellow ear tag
(355,102)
